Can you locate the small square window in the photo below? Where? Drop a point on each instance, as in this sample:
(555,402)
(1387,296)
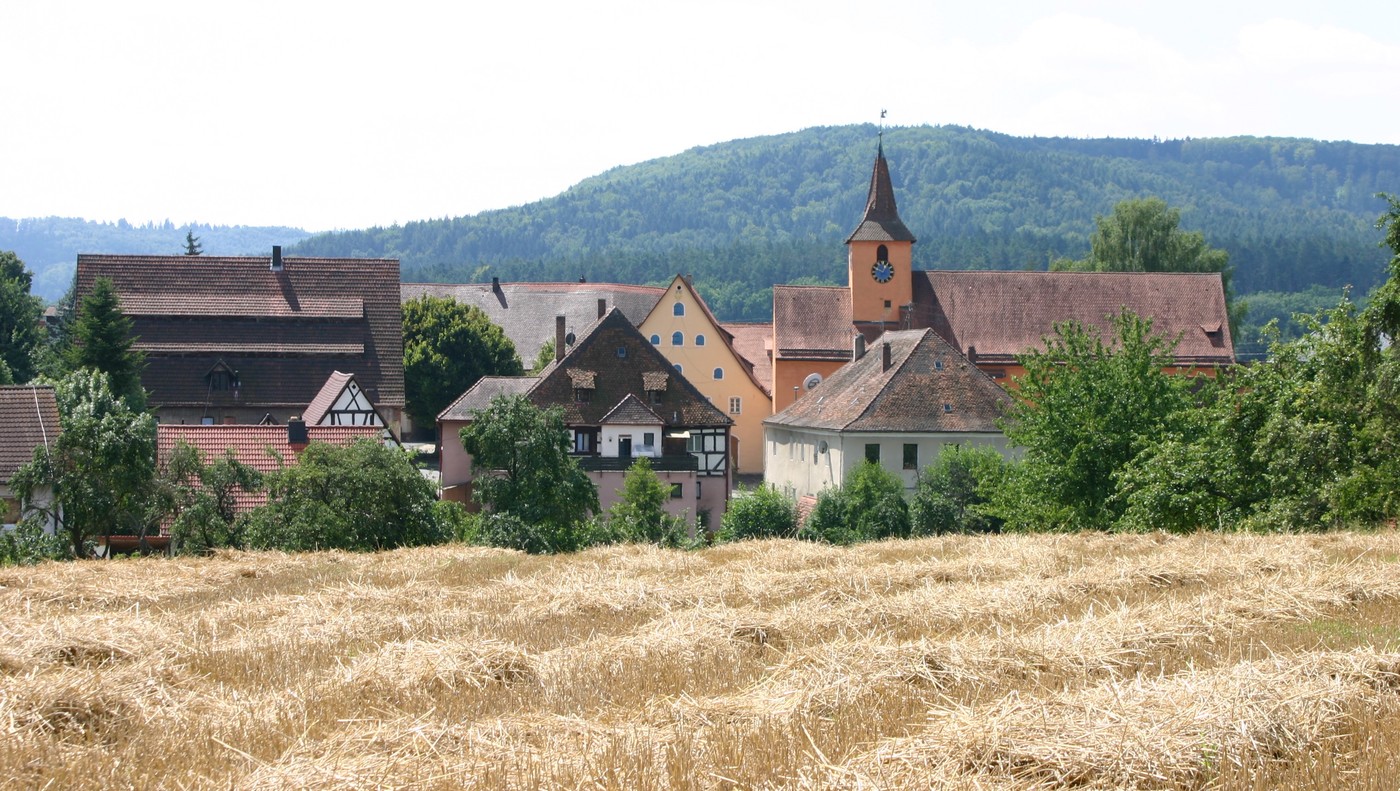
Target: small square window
(947,409)
(887,304)
(676,491)
(872,453)
(937,365)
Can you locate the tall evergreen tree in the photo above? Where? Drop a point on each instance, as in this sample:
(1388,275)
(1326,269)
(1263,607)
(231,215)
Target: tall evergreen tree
(192,245)
(102,340)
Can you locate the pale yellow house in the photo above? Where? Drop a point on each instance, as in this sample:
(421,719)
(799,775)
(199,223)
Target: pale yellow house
(684,330)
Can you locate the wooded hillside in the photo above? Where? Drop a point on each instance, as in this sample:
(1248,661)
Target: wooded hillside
(743,215)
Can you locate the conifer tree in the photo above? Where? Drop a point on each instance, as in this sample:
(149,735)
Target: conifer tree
(192,245)
(102,340)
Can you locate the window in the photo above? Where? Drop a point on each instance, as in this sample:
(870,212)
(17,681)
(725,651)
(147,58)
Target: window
(699,340)
(678,309)
(882,253)
(649,439)
(654,397)
(735,405)
(677,338)
(719,373)
(583,395)
(656,340)
(872,452)
(220,380)
(887,304)
(947,409)
(911,456)
(622,352)
(676,488)
(583,442)
(937,365)
(697,489)
(678,368)
(9,510)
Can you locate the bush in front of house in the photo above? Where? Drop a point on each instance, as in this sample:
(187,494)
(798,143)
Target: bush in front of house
(761,512)
(869,507)
(953,491)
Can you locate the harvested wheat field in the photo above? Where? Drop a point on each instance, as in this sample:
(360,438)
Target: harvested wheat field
(965,662)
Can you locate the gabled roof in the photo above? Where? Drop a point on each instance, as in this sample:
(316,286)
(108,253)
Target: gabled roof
(681,404)
(525,311)
(631,411)
(480,395)
(754,341)
(812,322)
(284,332)
(250,445)
(881,221)
(1002,314)
(725,334)
(614,376)
(324,400)
(28,419)
(929,388)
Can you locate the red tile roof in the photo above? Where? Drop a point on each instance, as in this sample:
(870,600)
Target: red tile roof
(325,399)
(284,333)
(928,387)
(251,446)
(1003,314)
(754,342)
(28,419)
(632,412)
(812,322)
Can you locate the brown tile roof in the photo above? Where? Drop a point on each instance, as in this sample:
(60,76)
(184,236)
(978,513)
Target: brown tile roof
(880,222)
(480,395)
(596,350)
(284,332)
(753,342)
(655,380)
(812,322)
(28,419)
(631,411)
(1002,314)
(325,399)
(929,387)
(250,445)
(526,311)
(617,376)
(583,380)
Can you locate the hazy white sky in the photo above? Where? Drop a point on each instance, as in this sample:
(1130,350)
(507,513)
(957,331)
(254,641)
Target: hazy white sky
(349,114)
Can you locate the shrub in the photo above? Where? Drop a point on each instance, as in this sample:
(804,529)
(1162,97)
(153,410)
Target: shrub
(951,492)
(762,512)
(641,516)
(869,507)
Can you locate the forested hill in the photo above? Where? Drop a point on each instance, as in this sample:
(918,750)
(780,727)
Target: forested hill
(49,246)
(743,215)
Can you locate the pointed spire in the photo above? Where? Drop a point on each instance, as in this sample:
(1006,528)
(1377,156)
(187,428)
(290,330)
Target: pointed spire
(881,222)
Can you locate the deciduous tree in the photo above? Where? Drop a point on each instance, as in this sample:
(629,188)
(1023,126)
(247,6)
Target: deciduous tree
(100,466)
(447,347)
(522,467)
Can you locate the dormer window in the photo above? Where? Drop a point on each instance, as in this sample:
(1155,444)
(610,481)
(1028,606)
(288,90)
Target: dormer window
(222,378)
(583,395)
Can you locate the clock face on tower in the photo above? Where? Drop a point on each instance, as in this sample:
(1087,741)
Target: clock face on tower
(882,271)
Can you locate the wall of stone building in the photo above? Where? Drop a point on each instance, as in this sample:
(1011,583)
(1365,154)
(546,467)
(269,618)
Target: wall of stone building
(799,465)
(711,494)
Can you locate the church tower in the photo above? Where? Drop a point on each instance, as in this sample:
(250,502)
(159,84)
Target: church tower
(880,254)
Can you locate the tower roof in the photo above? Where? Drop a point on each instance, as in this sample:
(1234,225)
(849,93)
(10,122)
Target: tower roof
(881,222)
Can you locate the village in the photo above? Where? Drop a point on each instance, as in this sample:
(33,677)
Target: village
(262,356)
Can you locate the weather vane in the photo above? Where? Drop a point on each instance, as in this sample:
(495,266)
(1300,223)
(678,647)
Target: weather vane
(882,124)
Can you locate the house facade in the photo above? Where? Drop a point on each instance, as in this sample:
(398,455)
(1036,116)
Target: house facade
(621,399)
(28,420)
(245,340)
(989,316)
(683,329)
(901,405)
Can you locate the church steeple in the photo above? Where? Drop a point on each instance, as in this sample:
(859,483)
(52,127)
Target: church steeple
(881,222)
(880,254)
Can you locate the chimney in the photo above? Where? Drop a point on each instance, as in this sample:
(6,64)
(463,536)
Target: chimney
(972,354)
(583,278)
(276,258)
(858,349)
(885,355)
(296,432)
(602,308)
(496,285)
(558,338)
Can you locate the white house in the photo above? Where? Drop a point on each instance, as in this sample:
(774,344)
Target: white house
(28,419)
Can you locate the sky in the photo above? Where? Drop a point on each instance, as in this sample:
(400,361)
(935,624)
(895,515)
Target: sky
(342,115)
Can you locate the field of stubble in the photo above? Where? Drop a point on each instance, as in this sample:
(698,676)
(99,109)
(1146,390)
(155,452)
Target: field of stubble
(1090,661)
